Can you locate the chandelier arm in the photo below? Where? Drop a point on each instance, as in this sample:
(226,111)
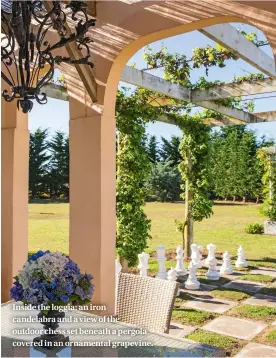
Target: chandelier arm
(6,79)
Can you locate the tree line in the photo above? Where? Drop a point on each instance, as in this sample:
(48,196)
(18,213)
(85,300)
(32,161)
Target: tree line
(235,170)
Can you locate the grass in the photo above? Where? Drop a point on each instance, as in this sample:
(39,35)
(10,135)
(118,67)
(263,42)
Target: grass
(268,336)
(264,313)
(229,344)
(221,281)
(269,291)
(192,317)
(230,294)
(49,229)
(257,278)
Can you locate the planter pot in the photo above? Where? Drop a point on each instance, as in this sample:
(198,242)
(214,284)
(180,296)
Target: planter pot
(50,339)
(270,227)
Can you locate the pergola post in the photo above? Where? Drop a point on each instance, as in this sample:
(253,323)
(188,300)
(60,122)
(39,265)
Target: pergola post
(14,199)
(92,239)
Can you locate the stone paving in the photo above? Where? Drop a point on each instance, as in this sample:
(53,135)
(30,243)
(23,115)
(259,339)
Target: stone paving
(246,330)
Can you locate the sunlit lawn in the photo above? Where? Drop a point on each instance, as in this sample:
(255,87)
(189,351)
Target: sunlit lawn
(49,227)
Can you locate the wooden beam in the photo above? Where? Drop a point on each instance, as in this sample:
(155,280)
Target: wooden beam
(154,83)
(266,116)
(84,71)
(245,88)
(138,78)
(227,36)
(59,92)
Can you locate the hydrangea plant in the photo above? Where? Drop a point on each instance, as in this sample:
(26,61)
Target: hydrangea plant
(51,278)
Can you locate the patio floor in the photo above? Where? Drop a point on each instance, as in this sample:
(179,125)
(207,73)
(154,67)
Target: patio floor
(240,312)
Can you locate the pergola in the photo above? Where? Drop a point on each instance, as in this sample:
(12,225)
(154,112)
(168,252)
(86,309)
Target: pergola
(123,27)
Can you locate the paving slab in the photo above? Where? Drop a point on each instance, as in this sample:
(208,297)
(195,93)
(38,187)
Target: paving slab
(211,304)
(235,327)
(203,289)
(180,330)
(257,350)
(266,271)
(246,286)
(261,300)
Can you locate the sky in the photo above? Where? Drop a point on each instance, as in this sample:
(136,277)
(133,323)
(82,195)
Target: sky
(55,114)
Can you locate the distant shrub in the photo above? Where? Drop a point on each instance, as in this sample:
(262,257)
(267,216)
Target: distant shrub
(255,228)
(44,196)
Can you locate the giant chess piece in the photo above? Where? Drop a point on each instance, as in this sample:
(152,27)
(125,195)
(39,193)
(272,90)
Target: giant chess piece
(211,263)
(226,268)
(172,276)
(161,258)
(180,268)
(211,253)
(192,283)
(241,261)
(143,264)
(196,256)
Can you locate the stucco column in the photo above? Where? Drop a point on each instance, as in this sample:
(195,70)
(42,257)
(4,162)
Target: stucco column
(92,199)
(14,191)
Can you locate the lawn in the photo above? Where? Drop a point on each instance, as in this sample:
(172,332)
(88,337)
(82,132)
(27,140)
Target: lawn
(49,227)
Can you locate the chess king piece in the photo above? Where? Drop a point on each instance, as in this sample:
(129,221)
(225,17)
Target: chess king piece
(180,268)
(226,268)
(192,283)
(196,256)
(241,261)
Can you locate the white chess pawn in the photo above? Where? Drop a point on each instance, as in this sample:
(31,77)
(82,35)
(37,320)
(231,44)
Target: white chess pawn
(196,256)
(143,264)
(212,273)
(172,276)
(161,258)
(241,261)
(192,283)
(226,268)
(180,268)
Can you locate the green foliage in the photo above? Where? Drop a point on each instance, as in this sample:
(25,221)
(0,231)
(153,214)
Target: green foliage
(229,344)
(211,56)
(236,169)
(192,317)
(254,228)
(257,278)
(254,312)
(164,182)
(152,149)
(230,294)
(58,182)
(38,161)
(133,169)
(194,168)
(268,162)
(170,150)
(250,78)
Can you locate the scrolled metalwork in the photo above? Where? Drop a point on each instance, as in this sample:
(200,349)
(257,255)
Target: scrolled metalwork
(28,57)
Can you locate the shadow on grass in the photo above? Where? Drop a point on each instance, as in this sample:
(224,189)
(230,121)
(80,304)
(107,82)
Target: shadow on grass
(49,201)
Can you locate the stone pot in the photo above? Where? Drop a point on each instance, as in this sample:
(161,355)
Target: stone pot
(270,227)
